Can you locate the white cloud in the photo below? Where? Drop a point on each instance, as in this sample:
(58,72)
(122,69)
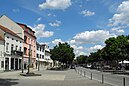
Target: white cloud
(72,41)
(118,30)
(47,43)
(40,31)
(95,48)
(56,23)
(55,4)
(53,15)
(92,37)
(122,15)
(87,13)
(40,18)
(56,41)
(78,50)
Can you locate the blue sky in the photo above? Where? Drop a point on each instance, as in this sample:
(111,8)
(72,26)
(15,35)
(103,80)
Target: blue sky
(84,24)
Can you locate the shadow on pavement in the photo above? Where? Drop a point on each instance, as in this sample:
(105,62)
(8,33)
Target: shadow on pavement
(8,82)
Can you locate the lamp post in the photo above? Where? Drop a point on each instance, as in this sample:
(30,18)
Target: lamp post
(22,62)
(38,64)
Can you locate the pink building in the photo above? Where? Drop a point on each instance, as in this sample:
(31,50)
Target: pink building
(29,41)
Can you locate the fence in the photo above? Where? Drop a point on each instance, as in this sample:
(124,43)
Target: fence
(108,78)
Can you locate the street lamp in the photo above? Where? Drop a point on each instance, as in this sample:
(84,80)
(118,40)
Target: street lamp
(38,63)
(22,62)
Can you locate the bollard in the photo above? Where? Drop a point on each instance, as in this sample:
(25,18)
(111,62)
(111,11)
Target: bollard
(91,75)
(123,81)
(84,73)
(80,72)
(102,79)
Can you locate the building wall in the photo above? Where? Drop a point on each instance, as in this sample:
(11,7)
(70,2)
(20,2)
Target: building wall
(1,55)
(30,41)
(13,40)
(10,24)
(17,42)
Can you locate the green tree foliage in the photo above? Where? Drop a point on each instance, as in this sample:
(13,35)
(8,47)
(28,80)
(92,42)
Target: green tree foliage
(62,53)
(117,48)
(81,59)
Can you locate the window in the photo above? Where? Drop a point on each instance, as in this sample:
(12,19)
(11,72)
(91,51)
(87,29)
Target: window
(2,64)
(25,50)
(7,36)
(40,49)
(16,47)
(43,49)
(12,38)
(37,47)
(7,47)
(12,47)
(42,56)
(25,39)
(20,49)
(37,55)
(16,40)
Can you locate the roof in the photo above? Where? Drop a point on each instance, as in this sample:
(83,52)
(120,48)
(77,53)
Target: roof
(1,38)
(23,25)
(9,31)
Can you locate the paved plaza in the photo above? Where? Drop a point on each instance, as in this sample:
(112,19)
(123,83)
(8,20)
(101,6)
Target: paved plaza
(48,78)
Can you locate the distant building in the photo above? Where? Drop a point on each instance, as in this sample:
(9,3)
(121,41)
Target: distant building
(43,56)
(29,41)
(49,61)
(12,53)
(40,61)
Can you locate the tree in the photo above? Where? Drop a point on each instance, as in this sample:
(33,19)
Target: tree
(81,59)
(62,53)
(117,48)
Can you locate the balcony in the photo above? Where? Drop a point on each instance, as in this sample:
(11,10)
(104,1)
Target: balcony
(15,52)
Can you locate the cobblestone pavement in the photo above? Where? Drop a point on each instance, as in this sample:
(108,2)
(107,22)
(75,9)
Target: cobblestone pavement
(48,78)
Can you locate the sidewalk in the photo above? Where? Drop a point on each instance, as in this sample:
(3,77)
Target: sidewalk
(48,78)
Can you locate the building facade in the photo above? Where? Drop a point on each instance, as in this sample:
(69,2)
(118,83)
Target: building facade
(43,56)
(1,53)
(29,45)
(48,60)
(40,61)
(12,53)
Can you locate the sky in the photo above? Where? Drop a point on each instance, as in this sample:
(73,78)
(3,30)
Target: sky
(84,24)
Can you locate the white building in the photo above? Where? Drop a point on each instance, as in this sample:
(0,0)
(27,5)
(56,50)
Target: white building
(1,53)
(49,61)
(12,49)
(43,56)
(40,56)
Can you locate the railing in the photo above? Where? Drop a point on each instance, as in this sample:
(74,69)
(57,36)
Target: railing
(108,78)
(15,52)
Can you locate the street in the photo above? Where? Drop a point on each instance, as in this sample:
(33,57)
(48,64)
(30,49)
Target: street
(109,78)
(48,78)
